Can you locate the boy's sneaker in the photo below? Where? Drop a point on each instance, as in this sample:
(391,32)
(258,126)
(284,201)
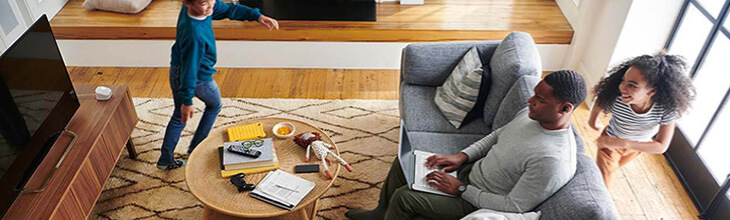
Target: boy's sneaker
(175,165)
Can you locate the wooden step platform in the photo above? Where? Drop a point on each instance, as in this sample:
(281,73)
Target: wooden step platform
(436,20)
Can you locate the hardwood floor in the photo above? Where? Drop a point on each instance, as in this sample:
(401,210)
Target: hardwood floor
(646,188)
(254,83)
(436,20)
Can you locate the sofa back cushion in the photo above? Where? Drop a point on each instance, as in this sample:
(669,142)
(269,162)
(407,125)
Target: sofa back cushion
(478,109)
(430,64)
(515,100)
(515,57)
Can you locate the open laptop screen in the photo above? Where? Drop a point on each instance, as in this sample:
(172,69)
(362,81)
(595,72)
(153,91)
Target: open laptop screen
(405,155)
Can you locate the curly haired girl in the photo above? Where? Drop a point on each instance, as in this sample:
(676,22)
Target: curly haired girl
(645,95)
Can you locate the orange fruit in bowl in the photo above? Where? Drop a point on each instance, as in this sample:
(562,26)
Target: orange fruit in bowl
(283,130)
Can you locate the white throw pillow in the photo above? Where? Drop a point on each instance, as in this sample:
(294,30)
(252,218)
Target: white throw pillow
(457,96)
(122,6)
(486,214)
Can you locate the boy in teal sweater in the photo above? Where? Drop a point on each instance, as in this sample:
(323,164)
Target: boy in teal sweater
(191,69)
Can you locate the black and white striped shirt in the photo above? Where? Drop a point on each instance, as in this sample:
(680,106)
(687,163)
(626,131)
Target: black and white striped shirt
(629,125)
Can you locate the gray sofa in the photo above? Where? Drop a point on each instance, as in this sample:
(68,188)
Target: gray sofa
(515,69)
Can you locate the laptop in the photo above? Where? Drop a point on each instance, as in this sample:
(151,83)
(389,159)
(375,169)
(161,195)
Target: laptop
(412,162)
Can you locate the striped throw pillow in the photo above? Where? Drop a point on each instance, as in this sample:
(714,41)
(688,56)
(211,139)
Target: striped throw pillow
(457,96)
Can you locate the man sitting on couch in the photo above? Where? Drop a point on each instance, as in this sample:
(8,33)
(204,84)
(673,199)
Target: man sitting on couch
(513,169)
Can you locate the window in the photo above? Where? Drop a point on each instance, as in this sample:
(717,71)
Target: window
(712,6)
(701,35)
(712,82)
(692,32)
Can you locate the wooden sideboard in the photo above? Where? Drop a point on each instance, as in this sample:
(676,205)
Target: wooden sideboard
(103,129)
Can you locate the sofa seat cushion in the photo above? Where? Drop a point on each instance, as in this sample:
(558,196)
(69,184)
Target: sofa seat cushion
(583,197)
(440,143)
(421,114)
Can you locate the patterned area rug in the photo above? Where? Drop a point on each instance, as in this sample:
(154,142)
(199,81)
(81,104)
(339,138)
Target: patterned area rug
(366,132)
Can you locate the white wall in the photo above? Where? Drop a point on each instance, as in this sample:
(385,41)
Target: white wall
(597,26)
(36,8)
(570,10)
(25,12)
(607,32)
(261,54)
(27,15)
(650,24)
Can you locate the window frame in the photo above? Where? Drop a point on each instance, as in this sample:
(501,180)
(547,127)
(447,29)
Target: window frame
(682,155)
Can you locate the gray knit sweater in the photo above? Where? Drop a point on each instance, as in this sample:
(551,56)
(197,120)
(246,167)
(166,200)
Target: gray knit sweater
(519,165)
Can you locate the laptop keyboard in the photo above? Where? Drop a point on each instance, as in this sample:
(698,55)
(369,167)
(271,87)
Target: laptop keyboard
(422,171)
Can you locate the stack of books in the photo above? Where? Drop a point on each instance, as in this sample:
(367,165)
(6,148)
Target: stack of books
(232,163)
(282,189)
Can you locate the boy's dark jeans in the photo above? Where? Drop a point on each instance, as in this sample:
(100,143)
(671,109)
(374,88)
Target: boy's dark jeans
(208,92)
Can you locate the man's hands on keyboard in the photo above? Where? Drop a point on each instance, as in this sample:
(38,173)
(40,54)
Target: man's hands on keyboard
(444,182)
(448,162)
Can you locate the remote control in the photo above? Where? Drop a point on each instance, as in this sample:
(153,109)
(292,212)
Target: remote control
(244,151)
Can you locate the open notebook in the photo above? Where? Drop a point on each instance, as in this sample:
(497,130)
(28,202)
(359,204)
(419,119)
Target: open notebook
(282,189)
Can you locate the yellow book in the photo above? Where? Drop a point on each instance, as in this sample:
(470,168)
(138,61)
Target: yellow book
(247,171)
(229,173)
(246,132)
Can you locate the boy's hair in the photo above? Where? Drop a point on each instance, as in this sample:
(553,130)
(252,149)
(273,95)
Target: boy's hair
(192,1)
(665,73)
(568,86)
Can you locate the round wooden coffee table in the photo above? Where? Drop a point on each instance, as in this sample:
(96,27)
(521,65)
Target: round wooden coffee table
(222,200)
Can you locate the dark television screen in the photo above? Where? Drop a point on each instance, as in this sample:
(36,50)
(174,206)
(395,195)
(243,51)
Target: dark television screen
(37,100)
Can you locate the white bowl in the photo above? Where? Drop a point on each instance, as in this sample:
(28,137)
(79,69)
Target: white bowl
(284,124)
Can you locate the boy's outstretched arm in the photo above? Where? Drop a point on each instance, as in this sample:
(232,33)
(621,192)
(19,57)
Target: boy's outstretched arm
(269,22)
(239,12)
(232,11)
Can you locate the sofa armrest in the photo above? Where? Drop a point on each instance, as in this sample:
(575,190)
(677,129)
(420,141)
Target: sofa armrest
(429,64)
(583,197)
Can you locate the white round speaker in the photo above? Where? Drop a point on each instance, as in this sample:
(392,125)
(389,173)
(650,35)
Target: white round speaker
(103,93)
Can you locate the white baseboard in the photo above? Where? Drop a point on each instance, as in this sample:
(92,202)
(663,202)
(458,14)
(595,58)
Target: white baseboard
(260,54)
